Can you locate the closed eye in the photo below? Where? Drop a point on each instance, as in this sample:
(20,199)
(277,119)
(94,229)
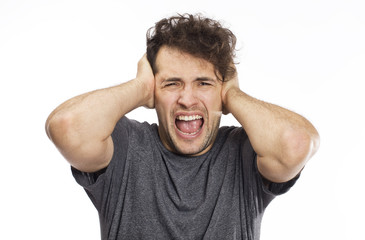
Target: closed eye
(171,82)
(205,84)
(205,81)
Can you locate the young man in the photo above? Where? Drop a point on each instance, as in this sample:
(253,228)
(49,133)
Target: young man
(184,178)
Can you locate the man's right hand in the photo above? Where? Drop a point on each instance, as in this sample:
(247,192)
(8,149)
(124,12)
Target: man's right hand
(147,80)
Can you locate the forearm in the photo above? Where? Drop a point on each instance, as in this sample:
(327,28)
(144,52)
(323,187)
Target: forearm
(81,127)
(275,133)
(93,115)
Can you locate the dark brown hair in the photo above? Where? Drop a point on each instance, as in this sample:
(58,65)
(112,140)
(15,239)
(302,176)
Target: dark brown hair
(196,35)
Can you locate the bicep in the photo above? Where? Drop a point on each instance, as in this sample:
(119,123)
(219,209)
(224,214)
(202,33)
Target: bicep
(91,156)
(274,171)
(289,157)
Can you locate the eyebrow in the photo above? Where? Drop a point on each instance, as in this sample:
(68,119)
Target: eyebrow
(173,79)
(205,79)
(198,79)
(177,79)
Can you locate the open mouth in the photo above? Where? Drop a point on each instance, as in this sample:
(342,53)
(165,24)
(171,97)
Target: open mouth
(189,124)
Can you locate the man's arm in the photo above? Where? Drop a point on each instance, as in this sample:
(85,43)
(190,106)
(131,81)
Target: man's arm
(283,140)
(81,127)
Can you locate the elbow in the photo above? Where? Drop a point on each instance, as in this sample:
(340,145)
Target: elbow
(298,147)
(59,128)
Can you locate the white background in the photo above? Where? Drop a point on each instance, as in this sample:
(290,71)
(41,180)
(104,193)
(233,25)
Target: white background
(307,56)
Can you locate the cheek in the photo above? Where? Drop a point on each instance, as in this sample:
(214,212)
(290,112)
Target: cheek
(213,102)
(163,104)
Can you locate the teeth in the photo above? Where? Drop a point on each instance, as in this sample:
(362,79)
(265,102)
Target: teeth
(188,133)
(189,118)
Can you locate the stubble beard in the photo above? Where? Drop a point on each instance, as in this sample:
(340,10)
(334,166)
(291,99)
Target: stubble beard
(209,138)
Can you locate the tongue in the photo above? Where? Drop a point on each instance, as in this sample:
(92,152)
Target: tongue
(189,126)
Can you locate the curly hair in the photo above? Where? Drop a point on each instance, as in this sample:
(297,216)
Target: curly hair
(196,35)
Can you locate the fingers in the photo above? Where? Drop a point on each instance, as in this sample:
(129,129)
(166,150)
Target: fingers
(144,68)
(147,80)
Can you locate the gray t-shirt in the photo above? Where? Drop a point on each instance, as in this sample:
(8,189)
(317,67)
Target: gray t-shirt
(148,192)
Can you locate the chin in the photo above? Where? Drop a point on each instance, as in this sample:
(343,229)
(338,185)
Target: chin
(191,149)
(190,152)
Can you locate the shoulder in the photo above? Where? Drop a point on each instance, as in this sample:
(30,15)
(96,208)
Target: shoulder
(131,124)
(233,141)
(128,127)
(232,134)
(132,133)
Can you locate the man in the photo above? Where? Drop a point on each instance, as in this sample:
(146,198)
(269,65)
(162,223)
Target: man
(184,178)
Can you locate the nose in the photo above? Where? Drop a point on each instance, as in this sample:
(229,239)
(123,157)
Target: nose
(187,97)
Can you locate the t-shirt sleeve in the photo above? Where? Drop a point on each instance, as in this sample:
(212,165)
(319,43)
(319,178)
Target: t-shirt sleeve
(276,188)
(98,185)
(268,189)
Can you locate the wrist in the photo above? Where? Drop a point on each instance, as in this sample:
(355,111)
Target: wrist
(145,93)
(228,96)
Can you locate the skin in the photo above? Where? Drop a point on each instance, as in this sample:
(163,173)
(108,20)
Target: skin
(84,137)
(179,92)
(283,140)
(183,85)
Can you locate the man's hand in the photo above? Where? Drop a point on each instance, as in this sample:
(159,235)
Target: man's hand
(228,85)
(146,78)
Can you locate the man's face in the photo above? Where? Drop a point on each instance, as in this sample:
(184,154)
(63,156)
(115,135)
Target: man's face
(187,101)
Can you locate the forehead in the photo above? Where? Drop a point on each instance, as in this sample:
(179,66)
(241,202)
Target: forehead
(171,61)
